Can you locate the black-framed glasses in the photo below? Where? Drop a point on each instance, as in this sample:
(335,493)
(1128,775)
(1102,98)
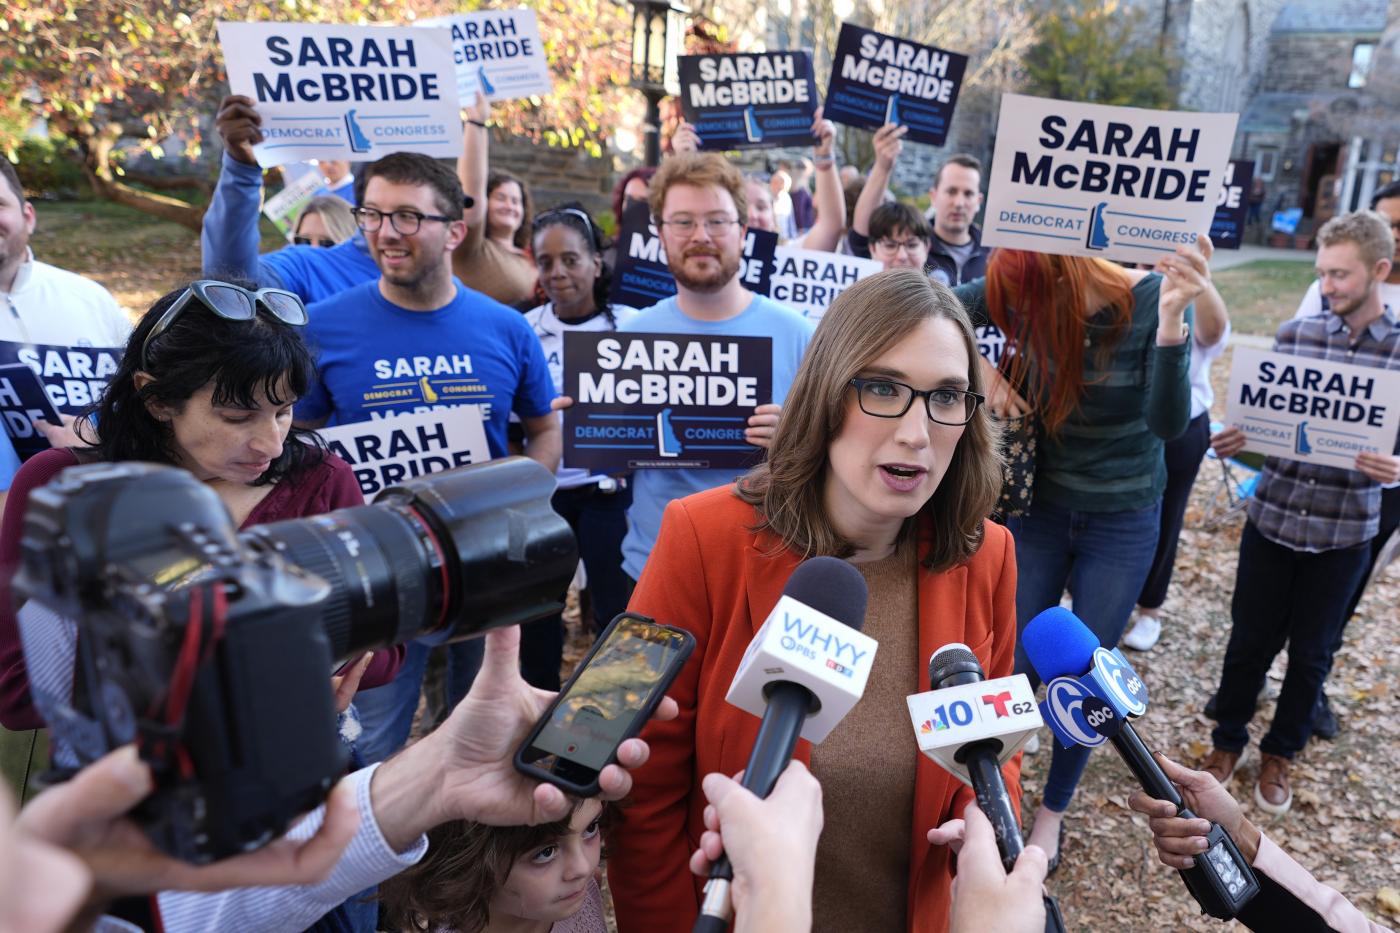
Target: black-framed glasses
(404,221)
(893,246)
(885,398)
(686,226)
(542,220)
(321,241)
(232,303)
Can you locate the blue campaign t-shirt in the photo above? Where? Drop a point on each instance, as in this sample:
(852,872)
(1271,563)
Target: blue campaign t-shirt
(375,359)
(653,490)
(317,273)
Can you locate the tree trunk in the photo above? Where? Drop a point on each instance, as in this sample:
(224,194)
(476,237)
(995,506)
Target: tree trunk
(170,182)
(96,146)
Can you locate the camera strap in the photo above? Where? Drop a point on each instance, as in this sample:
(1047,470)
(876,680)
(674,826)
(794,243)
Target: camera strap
(201,637)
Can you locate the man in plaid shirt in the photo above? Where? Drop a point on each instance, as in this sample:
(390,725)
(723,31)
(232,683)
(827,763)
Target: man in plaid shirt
(1306,545)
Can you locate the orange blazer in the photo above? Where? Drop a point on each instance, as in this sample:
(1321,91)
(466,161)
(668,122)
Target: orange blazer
(713,577)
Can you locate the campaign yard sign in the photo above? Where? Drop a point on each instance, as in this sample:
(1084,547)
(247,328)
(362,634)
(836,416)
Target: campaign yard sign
(878,79)
(809,280)
(1092,180)
(647,401)
(643,278)
(385,451)
(991,342)
(22,401)
(285,206)
(749,100)
(497,52)
(72,378)
(1312,410)
(345,92)
(1232,206)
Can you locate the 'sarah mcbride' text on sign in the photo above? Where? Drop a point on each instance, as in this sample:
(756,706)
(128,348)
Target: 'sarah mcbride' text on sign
(749,100)
(1091,180)
(72,379)
(385,451)
(497,52)
(1316,411)
(662,400)
(809,280)
(878,79)
(345,92)
(1232,206)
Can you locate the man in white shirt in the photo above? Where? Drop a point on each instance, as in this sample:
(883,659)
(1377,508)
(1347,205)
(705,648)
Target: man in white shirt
(45,304)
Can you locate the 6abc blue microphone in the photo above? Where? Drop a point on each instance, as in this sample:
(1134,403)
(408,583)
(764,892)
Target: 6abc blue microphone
(1091,694)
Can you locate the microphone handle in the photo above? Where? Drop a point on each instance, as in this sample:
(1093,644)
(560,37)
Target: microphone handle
(992,796)
(789,705)
(1138,758)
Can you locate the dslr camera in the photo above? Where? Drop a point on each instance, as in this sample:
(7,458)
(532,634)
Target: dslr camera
(212,650)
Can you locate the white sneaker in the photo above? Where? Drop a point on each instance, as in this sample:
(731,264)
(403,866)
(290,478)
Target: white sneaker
(1145,632)
(1032,744)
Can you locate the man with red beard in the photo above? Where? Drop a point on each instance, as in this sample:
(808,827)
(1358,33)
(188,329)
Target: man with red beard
(700,207)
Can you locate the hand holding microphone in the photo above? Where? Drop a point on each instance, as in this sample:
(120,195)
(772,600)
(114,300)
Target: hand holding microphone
(804,671)
(1090,694)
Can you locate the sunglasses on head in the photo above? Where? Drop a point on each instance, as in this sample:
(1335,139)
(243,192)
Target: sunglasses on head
(321,241)
(232,303)
(542,220)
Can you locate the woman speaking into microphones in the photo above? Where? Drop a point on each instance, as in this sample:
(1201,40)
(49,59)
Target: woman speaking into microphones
(885,458)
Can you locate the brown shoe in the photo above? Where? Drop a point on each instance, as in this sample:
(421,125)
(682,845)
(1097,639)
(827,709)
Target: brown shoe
(1221,765)
(1273,794)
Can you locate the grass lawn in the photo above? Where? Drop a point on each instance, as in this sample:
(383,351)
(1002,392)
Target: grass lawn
(136,256)
(1263,294)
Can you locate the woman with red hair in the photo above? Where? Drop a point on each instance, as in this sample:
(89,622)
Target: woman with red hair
(1100,355)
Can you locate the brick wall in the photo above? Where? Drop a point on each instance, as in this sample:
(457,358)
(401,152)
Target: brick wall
(1309,63)
(557,175)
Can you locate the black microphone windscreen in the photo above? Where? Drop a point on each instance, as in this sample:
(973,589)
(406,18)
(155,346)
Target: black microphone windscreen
(830,586)
(953,659)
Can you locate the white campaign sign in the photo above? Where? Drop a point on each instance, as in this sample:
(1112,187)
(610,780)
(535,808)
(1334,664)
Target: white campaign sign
(497,52)
(345,92)
(1312,410)
(385,451)
(1092,180)
(284,206)
(809,280)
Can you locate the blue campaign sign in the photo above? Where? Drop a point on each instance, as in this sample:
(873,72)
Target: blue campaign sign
(345,92)
(878,79)
(668,401)
(59,380)
(642,277)
(749,100)
(1231,208)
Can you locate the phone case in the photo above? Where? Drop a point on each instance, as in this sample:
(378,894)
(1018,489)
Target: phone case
(591,789)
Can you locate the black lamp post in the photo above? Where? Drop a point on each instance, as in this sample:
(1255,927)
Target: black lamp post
(658,34)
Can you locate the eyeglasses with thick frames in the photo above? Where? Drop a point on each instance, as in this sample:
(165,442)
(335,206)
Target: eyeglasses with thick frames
(404,221)
(884,398)
(232,303)
(685,226)
(893,246)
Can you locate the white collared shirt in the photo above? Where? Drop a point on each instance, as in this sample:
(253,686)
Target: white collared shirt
(54,307)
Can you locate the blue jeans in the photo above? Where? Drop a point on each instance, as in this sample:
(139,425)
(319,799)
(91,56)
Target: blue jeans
(386,713)
(1104,557)
(1283,595)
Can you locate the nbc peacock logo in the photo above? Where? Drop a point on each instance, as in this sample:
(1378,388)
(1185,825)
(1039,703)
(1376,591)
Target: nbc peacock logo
(928,725)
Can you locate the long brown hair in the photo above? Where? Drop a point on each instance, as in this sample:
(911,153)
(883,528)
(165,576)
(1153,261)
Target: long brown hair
(863,322)
(1042,304)
(466,865)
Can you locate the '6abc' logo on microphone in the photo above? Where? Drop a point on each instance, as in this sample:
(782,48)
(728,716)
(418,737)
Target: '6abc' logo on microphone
(1076,715)
(1118,683)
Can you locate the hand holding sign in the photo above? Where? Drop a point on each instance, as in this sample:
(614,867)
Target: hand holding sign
(762,424)
(240,127)
(824,131)
(889,142)
(1381,468)
(1227,442)
(685,139)
(1185,274)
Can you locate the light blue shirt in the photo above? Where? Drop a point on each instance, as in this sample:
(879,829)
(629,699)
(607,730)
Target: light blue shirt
(652,490)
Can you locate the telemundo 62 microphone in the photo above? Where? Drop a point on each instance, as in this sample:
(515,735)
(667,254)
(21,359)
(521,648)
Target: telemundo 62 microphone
(1091,693)
(803,672)
(970,727)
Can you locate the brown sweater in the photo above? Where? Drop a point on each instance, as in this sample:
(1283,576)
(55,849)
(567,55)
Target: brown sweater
(866,769)
(486,266)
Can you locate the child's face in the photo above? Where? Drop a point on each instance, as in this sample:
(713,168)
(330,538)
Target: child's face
(550,882)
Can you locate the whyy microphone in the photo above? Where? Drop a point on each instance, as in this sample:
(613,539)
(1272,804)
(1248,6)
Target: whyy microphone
(970,727)
(803,672)
(1091,693)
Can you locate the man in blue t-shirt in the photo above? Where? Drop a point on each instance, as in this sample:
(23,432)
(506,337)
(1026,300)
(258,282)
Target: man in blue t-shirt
(700,207)
(414,338)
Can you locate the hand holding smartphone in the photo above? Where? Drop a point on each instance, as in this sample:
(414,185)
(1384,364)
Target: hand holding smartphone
(609,698)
